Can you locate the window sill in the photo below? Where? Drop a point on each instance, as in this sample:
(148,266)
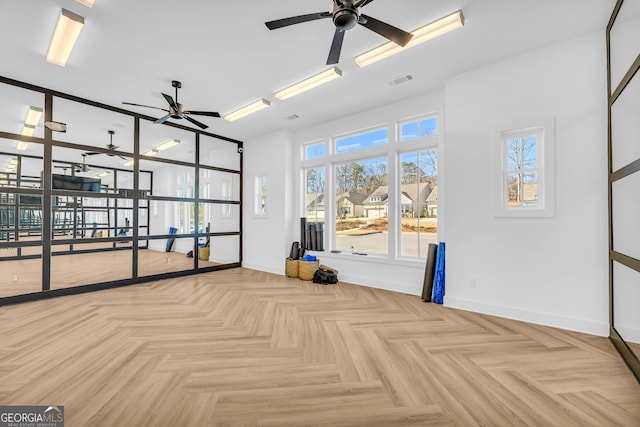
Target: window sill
(377,259)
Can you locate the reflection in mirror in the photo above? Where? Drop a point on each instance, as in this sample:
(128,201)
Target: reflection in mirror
(167,142)
(219,185)
(224,250)
(625,40)
(625,214)
(22,113)
(625,126)
(89,125)
(22,276)
(221,218)
(626,294)
(165,256)
(219,153)
(78,269)
(20,170)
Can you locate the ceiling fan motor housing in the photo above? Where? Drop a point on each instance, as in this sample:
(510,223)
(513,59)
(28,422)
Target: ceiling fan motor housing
(176,114)
(345,17)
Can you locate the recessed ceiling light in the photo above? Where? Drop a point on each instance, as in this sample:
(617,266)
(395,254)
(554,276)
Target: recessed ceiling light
(64,37)
(249,109)
(306,84)
(421,35)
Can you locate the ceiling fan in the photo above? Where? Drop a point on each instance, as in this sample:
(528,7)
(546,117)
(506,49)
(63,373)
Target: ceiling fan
(346,14)
(176,110)
(109,146)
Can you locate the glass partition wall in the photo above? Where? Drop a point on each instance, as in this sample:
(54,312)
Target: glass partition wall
(623,62)
(101,197)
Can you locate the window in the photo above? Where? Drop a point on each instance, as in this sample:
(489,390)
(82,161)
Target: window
(226,195)
(419,128)
(361,206)
(361,141)
(260,208)
(314,151)
(418,202)
(375,193)
(314,201)
(526,172)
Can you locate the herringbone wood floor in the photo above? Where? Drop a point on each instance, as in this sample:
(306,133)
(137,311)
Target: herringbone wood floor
(240,347)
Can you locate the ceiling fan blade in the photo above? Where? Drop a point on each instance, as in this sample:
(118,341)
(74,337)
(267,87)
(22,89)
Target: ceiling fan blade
(162,119)
(91,153)
(361,3)
(336,47)
(279,23)
(123,158)
(171,102)
(197,123)
(146,106)
(394,34)
(203,113)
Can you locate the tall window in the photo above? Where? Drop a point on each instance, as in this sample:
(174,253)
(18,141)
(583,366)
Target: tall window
(418,201)
(314,201)
(362,206)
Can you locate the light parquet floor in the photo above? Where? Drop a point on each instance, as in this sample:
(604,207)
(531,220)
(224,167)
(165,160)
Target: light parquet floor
(245,348)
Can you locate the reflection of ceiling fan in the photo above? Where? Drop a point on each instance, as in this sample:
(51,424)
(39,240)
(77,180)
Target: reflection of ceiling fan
(109,146)
(176,110)
(77,167)
(346,14)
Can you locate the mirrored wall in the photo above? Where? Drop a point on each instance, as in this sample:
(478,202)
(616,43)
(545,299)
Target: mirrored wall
(623,54)
(94,196)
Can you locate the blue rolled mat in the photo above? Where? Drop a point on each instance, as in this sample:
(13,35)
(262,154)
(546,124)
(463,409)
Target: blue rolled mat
(438,285)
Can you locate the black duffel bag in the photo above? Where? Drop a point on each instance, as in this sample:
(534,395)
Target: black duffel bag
(325,276)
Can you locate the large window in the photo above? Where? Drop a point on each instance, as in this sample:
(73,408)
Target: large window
(375,190)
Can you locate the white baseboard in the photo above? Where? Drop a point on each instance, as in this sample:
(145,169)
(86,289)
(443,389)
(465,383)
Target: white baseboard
(540,318)
(629,334)
(265,268)
(381,284)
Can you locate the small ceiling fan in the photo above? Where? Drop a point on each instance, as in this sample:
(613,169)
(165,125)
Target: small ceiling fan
(109,146)
(176,110)
(346,14)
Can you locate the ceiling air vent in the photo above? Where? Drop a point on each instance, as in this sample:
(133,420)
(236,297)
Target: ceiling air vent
(293,117)
(400,80)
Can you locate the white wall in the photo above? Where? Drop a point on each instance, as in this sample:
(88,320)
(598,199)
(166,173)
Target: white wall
(550,271)
(267,239)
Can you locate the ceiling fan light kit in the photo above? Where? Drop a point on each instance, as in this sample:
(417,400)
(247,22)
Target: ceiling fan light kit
(249,109)
(56,126)
(64,37)
(421,35)
(309,83)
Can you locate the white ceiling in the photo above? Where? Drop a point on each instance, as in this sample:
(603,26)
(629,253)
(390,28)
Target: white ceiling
(226,57)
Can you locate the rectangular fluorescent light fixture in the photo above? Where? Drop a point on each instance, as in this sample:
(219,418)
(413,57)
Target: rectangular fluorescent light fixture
(102,174)
(128,163)
(64,37)
(33,116)
(310,83)
(88,3)
(249,109)
(28,130)
(168,144)
(421,35)
(151,152)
